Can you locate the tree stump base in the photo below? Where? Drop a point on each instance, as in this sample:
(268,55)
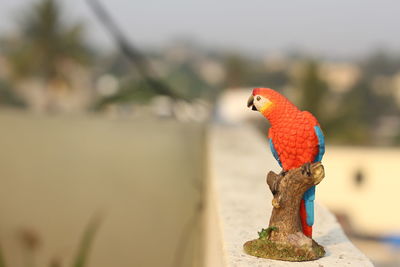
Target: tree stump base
(283,251)
(284,239)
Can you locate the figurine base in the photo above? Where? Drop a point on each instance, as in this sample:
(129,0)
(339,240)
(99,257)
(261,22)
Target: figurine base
(263,248)
(284,238)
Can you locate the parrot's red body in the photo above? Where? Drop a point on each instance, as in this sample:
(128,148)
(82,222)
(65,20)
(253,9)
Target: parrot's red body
(295,139)
(292,132)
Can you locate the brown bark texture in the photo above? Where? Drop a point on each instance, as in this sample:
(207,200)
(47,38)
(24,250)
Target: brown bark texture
(284,239)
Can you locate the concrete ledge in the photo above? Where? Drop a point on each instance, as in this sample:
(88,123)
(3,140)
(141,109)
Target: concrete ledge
(239,204)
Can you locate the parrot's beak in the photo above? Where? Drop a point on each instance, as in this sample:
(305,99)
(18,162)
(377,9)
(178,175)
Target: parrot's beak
(250,103)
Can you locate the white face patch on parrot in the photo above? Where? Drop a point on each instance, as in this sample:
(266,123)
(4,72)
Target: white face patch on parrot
(261,102)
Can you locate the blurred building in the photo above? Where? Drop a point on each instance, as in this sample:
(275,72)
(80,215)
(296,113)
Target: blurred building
(362,183)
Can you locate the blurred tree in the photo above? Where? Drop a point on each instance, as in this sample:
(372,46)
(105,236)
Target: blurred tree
(276,79)
(353,118)
(313,91)
(44,42)
(342,117)
(236,70)
(362,108)
(353,115)
(397,138)
(131,90)
(47,59)
(187,81)
(380,62)
(8,96)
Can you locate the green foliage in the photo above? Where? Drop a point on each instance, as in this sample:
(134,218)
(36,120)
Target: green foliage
(86,243)
(138,91)
(44,42)
(265,233)
(313,90)
(187,81)
(82,256)
(2,260)
(360,109)
(352,116)
(236,70)
(8,97)
(245,72)
(380,63)
(356,116)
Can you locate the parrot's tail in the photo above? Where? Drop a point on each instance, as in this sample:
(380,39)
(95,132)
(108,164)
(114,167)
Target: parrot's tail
(307,211)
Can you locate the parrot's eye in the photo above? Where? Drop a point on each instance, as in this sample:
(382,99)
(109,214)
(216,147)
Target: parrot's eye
(258,98)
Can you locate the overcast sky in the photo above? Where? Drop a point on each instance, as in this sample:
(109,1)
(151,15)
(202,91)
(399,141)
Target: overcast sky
(325,27)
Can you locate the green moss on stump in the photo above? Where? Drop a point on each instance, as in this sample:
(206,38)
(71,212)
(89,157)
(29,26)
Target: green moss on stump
(264,248)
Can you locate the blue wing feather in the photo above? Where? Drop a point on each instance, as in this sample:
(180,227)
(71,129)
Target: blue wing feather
(321,143)
(276,156)
(309,195)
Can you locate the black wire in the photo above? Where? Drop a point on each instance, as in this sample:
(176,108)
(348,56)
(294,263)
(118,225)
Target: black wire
(126,47)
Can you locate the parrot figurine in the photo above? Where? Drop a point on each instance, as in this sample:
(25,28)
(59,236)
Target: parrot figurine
(295,140)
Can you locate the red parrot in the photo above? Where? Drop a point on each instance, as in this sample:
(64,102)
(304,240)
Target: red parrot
(295,139)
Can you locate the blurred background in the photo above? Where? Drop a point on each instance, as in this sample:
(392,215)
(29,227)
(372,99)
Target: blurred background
(105,106)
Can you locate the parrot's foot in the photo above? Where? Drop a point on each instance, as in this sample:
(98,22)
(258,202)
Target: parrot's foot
(306,169)
(283,173)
